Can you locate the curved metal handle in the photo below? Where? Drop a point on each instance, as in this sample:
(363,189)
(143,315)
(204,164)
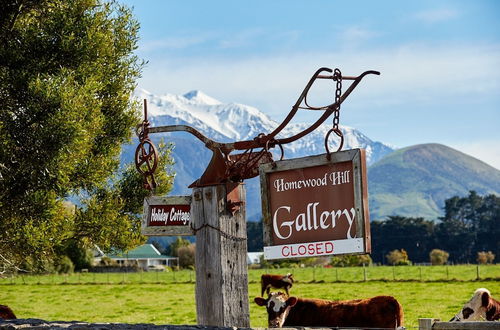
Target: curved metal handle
(330,108)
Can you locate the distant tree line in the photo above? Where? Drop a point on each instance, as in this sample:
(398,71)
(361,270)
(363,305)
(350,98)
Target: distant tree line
(470,225)
(469,228)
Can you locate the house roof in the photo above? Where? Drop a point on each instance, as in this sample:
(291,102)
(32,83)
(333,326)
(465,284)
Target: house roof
(145,251)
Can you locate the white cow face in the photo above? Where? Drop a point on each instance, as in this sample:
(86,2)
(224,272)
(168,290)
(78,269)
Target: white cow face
(475,308)
(278,306)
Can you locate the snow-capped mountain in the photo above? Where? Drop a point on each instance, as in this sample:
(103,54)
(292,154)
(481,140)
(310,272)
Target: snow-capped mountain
(225,122)
(236,122)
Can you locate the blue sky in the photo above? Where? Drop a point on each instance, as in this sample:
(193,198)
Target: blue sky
(439,62)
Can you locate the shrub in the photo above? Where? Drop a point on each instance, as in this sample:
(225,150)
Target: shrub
(438,257)
(107,261)
(314,262)
(351,260)
(484,257)
(174,247)
(81,256)
(398,258)
(64,265)
(186,255)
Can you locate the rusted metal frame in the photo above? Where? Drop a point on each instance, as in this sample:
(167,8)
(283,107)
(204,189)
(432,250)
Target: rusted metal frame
(141,156)
(237,161)
(329,110)
(209,143)
(260,141)
(296,106)
(221,167)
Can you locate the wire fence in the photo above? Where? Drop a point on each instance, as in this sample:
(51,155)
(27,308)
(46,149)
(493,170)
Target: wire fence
(306,275)
(392,273)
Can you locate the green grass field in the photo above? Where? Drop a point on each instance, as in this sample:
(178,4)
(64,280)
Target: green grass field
(156,298)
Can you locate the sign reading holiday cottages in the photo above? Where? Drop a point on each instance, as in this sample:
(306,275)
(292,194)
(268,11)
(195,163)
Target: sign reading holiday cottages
(167,216)
(313,206)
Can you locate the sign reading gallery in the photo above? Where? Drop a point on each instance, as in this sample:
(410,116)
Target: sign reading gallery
(315,207)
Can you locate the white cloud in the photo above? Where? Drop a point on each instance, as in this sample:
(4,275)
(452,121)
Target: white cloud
(437,15)
(242,39)
(173,43)
(356,35)
(418,73)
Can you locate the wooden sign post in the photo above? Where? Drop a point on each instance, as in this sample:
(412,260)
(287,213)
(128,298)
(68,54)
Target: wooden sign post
(221,257)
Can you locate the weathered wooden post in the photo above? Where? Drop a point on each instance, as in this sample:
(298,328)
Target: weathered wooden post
(221,257)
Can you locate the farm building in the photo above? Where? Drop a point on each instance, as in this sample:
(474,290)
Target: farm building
(145,256)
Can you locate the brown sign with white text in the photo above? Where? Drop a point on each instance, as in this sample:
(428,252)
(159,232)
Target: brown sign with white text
(313,204)
(169,215)
(318,207)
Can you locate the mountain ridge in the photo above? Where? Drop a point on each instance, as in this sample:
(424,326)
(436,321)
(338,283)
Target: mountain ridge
(422,177)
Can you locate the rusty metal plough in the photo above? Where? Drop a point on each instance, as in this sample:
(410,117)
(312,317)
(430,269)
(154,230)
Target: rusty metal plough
(225,167)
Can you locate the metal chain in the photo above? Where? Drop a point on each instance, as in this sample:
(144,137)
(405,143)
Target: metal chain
(337,75)
(224,234)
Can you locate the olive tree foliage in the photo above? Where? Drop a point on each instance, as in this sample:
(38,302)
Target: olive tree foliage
(67,70)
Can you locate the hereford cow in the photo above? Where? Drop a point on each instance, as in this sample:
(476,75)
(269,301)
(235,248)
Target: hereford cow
(276,281)
(6,313)
(376,312)
(481,307)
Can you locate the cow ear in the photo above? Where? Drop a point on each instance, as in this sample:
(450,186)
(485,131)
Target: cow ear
(260,301)
(291,301)
(485,299)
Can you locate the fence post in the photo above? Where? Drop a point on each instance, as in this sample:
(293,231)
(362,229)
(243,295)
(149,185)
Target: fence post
(477,273)
(393,272)
(425,324)
(221,257)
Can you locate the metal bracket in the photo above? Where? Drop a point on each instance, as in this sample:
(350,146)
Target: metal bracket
(233,199)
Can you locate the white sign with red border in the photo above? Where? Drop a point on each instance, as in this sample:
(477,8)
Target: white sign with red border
(314,249)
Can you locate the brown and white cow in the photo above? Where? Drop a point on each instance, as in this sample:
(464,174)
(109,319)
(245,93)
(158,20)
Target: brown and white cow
(376,312)
(481,307)
(6,313)
(268,281)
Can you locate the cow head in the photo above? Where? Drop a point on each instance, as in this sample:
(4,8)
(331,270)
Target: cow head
(278,306)
(475,308)
(288,278)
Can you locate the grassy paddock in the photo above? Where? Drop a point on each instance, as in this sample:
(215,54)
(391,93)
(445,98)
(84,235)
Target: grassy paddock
(306,275)
(157,298)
